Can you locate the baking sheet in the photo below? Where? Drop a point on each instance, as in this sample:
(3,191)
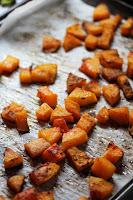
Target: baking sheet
(24,41)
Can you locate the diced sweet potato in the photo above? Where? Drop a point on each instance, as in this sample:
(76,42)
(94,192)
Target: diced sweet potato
(15,183)
(10,64)
(53,154)
(130,65)
(100,189)
(27,194)
(61,123)
(74,81)
(103,115)
(44,112)
(127,27)
(111,94)
(91,42)
(74,137)
(113,153)
(86,122)
(77,31)
(83,97)
(91,67)
(45,73)
(50,44)
(93,86)
(51,135)
(72,107)
(12,158)
(21,121)
(110,74)
(71,42)
(119,115)
(131,117)
(113,21)
(107,167)
(48,195)
(60,112)
(83,198)
(47,96)
(2,197)
(44,174)
(92,28)
(101,11)
(79,159)
(124,84)
(25,76)
(36,146)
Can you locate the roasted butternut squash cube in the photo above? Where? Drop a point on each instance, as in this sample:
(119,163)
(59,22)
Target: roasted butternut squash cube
(86,122)
(51,135)
(77,31)
(36,146)
(79,159)
(91,42)
(15,183)
(74,137)
(100,189)
(74,81)
(44,174)
(27,194)
(50,44)
(93,86)
(12,158)
(91,67)
(44,112)
(113,153)
(25,76)
(92,29)
(101,11)
(107,167)
(2,197)
(72,107)
(48,195)
(10,64)
(47,96)
(83,97)
(127,27)
(53,154)
(83,198)
(113,21)
(45,73)
(131,117)
(130,65)
(60,112)
(21,121)
(61,123)
(110,74)
(103,115)
(70,42)
(125,85)
(111,93)
(119,115)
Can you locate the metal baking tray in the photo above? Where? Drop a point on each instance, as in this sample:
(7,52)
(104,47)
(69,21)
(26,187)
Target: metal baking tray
(24,41)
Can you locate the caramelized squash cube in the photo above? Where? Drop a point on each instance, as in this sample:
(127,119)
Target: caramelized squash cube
(25,76)
(44,174)
(10,64)
(48,195)
(103,115)
(51,135)
(94,87)
(131,117)
(127,27)
(71,42)
(91,42)
(130,65)
(110,74)
(27,194)
(107,167)
(74,137)
(50,44)
(36,146)
(61,123)
(92,29)
(72,107)
(44,112)
(12,158)
(21,121)
(15,183)
(77,31)
(47,96)
(101,11)
(113,21)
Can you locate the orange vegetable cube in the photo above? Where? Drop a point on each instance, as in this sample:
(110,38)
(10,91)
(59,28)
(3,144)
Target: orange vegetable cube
(74,137)
(48,195)
(113,21)
(61,123)
(91,42)
(44,112)
(101,11)
(72,107)
(103,115)
(92,28)
(107,167)
(77,31)
(25,76)
(50,44)
(94,87)
(10,64)
(51,135)
(28,194)
(21,121)
(15,183)
(110,74)
(127,27)
(131,117)
(83,97)
(71,42)
(130,65)
(47,96)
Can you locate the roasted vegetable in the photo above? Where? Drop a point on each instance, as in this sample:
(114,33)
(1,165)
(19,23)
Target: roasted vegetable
(110,74)
(15,183)
(91,42)
(130,65)
(47,96)
(74,137)
(99,188)
(107,167)
(73,107)
(12,158)
(92,28)
(51,135)
(44,112)
(127,27)
(131,117)
(124,84)
(77,31)
(61,123)
(50,44)
(36,146)
(103,115)
(44,174)
(10,64)
(114,21)
(25,76)
(93,86)
(79,159)
(27,194)
(74,81)
(48,195)
(71,42)
(21,121)
(53,154)
(101,11)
